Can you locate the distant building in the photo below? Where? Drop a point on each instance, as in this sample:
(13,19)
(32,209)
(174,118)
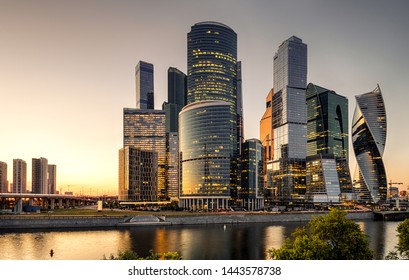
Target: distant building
(252,175)
(289,120)
(327,146)
(144,86)
(145,130)
(138,175)
(52,178)
(4,188)
(267,140)
(19,176)
(39,176)
(368,141)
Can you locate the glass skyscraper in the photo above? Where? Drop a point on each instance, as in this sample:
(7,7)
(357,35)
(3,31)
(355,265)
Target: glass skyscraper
(252,175)
(289,117)
(327,135)
(145,130)
(207,154)
(368,141)
(144,85)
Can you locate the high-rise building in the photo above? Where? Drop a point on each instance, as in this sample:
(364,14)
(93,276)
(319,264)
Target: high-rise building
(289,117)
(144,85)
(52,178)
(172,165)
(177,98)
(206,149)
(252,175)
(39,175)
(212,76)
(138,175)
(145,130)
(267,140)
(327,135)
(368,141)
(4,188)
(19,176)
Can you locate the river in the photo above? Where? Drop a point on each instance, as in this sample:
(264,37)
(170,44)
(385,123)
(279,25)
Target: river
(205,242)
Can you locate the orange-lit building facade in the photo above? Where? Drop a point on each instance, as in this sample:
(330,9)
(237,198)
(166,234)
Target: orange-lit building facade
(266,138)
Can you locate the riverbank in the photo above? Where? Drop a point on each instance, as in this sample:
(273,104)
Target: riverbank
(161,219)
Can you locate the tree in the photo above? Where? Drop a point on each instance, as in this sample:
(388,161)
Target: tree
(328,237)
(402,248)
(132,255)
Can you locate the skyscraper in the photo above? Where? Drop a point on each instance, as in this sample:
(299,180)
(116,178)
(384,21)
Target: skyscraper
(252,175)
(212,76)
(206,149)
(327,135)
(138,175)
(39,176)
(289,116)
(368,141)
(144,85)
(4,188)
(145,130)
(52,178)
(19,176)
(267,140)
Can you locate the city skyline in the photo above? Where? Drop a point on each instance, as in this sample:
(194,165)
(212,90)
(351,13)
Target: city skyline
(68,71)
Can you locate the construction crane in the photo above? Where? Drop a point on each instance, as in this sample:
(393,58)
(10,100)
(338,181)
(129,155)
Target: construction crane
(391,183)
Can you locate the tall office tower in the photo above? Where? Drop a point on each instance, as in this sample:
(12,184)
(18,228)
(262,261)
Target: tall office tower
(145,130)
(368,141)
(212,75)
(19,176)
(327,146)
(138,175)
(144,85)
(177,98)
(172,165)
(252,175)
(289,116)
(266,137)
(52,178)
(4,188)
(206,149)
(39,175)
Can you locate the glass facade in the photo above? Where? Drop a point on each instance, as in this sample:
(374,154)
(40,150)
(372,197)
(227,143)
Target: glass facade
(145,130)
(211,63)
(327,132)
(368,141)
(208,151)
(137,175)
(172,165)
(289,121)
(144,85)
(252,175)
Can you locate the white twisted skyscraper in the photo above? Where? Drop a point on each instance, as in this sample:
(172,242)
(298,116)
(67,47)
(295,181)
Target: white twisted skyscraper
(368,140)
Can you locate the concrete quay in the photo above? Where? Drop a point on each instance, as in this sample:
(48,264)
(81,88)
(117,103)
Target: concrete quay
(61,222)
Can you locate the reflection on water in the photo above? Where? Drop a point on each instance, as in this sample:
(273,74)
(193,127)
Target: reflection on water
(249,241)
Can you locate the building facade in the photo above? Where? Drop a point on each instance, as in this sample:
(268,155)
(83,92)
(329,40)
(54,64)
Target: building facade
(4,185)
(138,175)
(327,135)
(52,178)
(19,176)
(172,165)
(39,175)
(267,140)
(145,130)
(252,175)
(207,154)
(368,141)
(144,85)
(289,117)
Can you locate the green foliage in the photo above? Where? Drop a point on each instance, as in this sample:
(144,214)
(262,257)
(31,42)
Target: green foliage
(402,248)
(132,255)
(329,237)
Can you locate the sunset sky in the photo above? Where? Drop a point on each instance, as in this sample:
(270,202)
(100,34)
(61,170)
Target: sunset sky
(67,70)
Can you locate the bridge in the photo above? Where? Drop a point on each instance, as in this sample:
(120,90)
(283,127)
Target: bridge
(15,201)
(391,215)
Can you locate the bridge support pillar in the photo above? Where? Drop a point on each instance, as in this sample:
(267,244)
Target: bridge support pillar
(18,205)
(52,204)
(30,202)
(60,202)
